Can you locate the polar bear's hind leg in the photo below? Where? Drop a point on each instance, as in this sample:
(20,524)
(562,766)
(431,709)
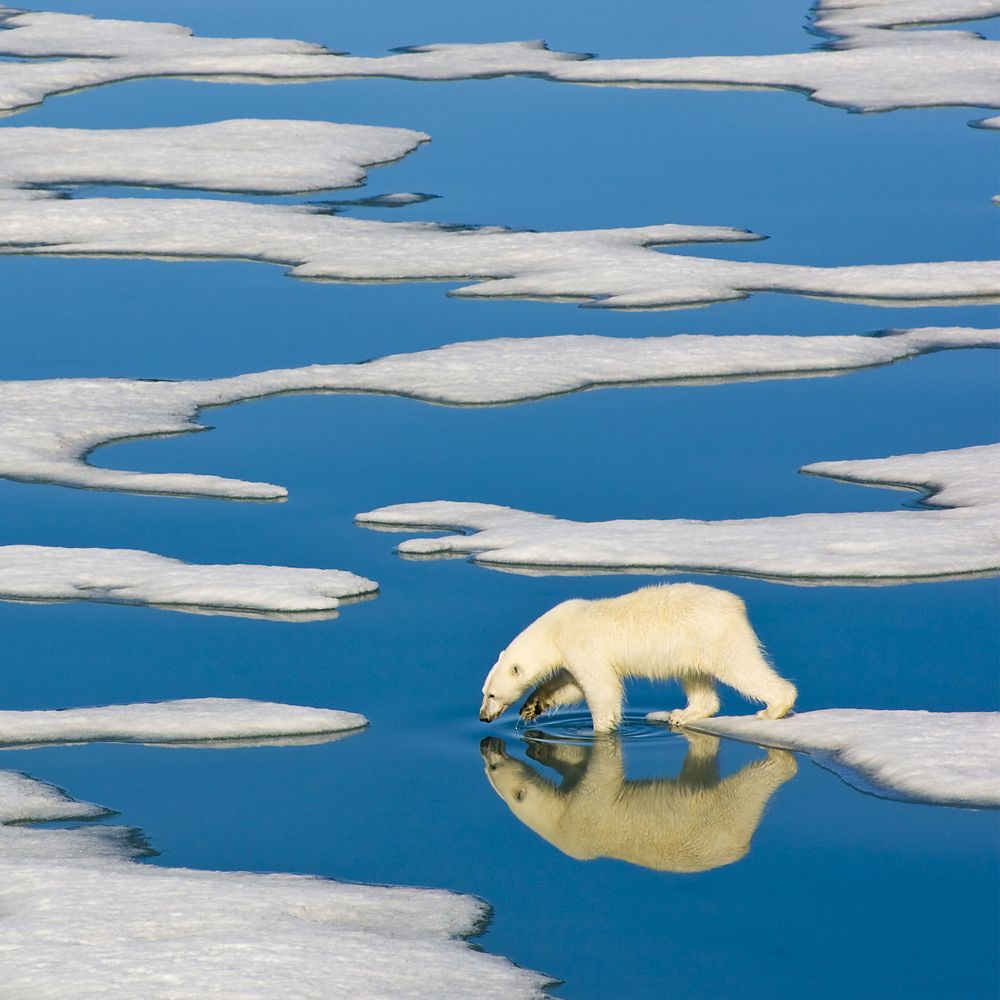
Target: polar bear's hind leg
(749,673)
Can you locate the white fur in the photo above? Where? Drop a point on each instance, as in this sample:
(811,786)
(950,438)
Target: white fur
(693,822)
(582,650)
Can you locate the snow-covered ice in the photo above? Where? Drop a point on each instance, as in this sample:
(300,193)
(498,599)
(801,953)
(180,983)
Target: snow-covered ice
(951,758)
(82,920)
(871,65)
(615,268)
(130,576)
(49,427)
(189,720)
(611,268)
(271,157)
(23,799)
(957,537)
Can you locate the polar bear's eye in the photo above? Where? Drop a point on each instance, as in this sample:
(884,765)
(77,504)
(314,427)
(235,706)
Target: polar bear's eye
(515,670)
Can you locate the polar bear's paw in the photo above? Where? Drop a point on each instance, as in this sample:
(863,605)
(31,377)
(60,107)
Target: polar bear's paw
(777,711)
(682,716)
(533,708)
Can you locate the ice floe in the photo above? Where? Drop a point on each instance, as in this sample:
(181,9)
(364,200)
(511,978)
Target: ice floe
(82,919)
(614,268)
(49,427)
(270,157)
(951,758)
(190,720)
(23,799)
(959,537)
(130,576)
(611,268)
(869,66)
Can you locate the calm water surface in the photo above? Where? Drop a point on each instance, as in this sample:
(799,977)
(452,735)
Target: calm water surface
(841,893)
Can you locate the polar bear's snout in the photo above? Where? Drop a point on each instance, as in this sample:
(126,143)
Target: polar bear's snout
(493,751)
(491,708)
(504,684)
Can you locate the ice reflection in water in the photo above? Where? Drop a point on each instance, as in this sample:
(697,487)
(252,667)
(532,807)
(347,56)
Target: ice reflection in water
(693,822)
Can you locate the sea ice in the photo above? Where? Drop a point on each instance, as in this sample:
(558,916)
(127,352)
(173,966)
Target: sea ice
(48,428)
(190,720)
(129,576)
(615,268)
(951,758)
(82,920)
(611,268)
(269,157)
(869,65)
(958,538)
(23,799)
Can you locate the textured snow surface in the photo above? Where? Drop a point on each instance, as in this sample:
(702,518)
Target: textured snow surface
(81,920)
(22,798)
(130,576)
(615,268)
(273,157)
(189,720)
(870,66)
(873,547)
(951,758)
(48,427)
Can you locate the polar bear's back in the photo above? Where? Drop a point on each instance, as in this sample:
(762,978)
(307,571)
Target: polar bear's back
(686,626)
(674,600)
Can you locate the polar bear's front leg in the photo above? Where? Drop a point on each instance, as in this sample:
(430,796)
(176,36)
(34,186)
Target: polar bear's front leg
(567,760)
(603,690)
(559,689)
(702,700)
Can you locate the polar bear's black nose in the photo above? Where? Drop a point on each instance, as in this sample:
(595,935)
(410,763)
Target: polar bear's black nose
(492,747)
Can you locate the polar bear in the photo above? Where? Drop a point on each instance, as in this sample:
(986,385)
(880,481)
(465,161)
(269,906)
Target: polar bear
(691,823)
(581,651)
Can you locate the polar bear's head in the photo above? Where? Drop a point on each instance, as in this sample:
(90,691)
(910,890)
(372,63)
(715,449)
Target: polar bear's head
(533,800)
(524,664)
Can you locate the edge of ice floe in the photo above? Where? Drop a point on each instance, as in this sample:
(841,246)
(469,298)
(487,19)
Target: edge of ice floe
(27,800)
(943,758)
(205,721)
(955,539)
(619,268)
(34,573)
(72,898)
(56,442)
(868,66)
(253,156)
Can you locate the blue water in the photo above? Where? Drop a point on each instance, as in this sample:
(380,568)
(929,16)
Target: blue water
(842,893)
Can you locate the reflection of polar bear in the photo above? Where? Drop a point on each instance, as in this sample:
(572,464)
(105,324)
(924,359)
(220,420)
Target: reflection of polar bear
(691,823)
(581,650)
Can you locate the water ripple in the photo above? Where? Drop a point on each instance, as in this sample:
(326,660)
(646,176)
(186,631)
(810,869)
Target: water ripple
(577,727)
